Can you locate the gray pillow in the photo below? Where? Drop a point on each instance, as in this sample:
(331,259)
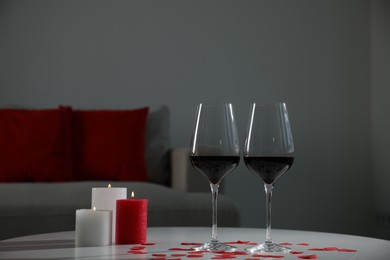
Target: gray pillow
(157,146)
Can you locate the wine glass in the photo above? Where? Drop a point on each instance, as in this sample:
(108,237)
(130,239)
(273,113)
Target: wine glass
(214,153)
(268,153)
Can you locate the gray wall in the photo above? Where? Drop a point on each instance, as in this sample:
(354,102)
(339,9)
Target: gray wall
(380,82)
(314,55)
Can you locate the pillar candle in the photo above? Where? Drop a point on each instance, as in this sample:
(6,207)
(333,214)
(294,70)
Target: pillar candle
(105,199)
(93,227)
(131,221)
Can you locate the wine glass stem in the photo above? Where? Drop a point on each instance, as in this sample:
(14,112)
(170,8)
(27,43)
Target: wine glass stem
(268,192)
(214,192)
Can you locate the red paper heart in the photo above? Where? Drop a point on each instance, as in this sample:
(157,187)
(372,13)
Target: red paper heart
(138,248)
(165,258)
(224,256)
(239,253)
(218,251)
(308,256)
(136,252)
(195,255)
(296,252)
(268,256)
(323,249)
(346,250)
(180,249)
(148,244)
(240,242)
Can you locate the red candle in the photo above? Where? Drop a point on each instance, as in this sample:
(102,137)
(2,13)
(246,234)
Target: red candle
(131,221)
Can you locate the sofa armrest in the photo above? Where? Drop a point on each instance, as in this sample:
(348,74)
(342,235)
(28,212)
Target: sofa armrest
(184,176)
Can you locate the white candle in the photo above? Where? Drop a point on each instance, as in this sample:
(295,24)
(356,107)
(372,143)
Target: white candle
(93,227)
(105,199)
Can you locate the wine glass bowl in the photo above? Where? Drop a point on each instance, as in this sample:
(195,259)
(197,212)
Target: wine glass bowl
(214,168)
(215,152)
(268,153)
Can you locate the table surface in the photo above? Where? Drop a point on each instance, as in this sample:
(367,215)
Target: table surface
(164,240)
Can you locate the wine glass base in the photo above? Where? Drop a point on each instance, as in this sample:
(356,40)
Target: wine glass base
(268,248)
(215,246)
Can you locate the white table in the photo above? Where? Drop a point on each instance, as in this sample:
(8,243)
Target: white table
(61,245)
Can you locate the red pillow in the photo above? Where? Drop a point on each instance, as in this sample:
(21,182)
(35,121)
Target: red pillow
(35,145)
(110,144)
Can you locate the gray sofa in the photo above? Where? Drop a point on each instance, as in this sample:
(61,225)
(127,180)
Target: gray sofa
(177,195)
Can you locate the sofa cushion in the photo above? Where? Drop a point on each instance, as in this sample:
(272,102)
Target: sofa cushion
(109,144)
(35,145)
(157,150)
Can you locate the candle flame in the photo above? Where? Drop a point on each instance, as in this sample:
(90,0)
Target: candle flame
(94,208)
(109,185)
(132,194)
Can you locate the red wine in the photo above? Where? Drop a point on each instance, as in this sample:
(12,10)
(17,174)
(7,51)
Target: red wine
(268,168)
(214,168)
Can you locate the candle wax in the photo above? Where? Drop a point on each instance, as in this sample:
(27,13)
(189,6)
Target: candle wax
(93,227)
(105,198)
(131,221)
